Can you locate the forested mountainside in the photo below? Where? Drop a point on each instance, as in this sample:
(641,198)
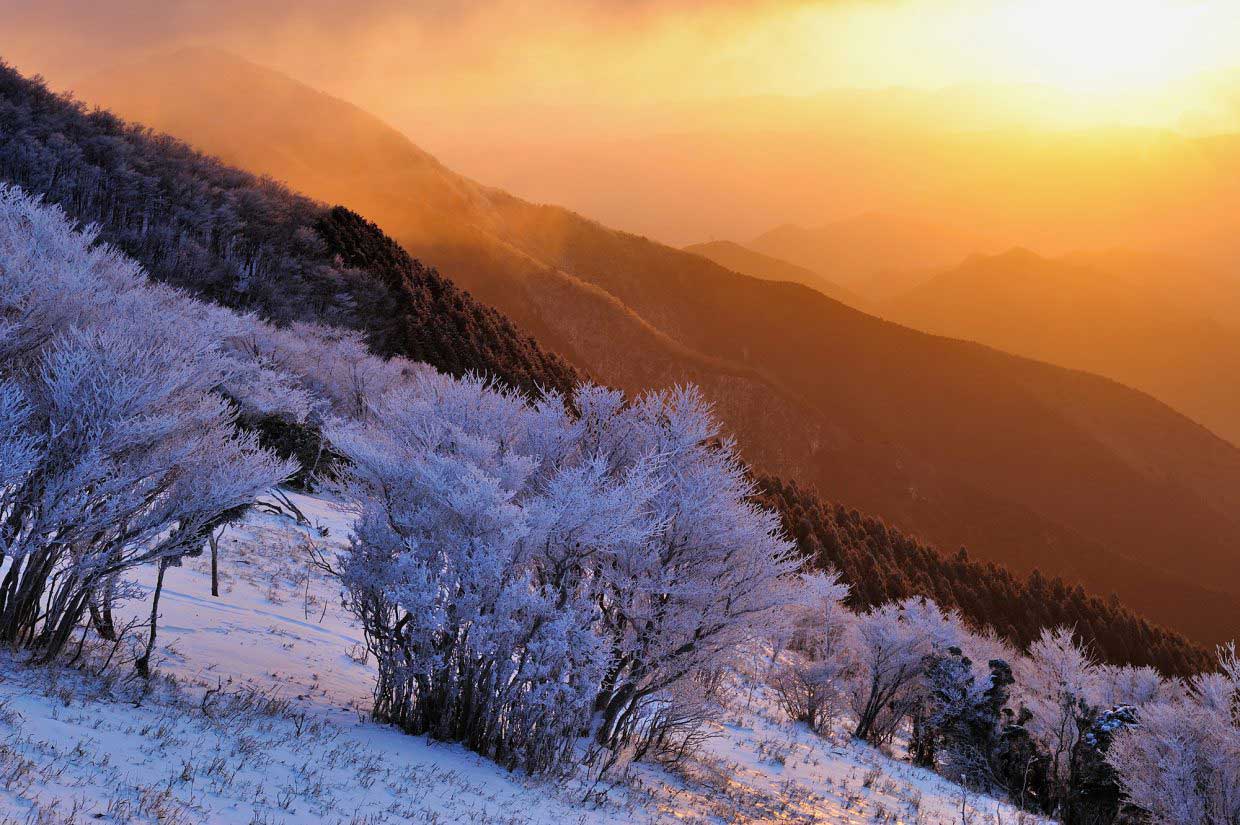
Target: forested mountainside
(249,242)
(498,559)
(882,564)
(1025,464)
(426,317)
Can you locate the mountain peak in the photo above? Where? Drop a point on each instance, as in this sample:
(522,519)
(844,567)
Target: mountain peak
(1019,254)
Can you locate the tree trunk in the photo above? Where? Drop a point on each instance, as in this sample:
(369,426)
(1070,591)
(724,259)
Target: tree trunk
(102,620)
(143,664)
(55,638)
(213,539)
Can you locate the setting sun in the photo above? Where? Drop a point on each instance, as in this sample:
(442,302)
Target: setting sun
(1106,43)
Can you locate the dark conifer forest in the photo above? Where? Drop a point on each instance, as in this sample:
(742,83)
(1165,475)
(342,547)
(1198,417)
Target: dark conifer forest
(881,564)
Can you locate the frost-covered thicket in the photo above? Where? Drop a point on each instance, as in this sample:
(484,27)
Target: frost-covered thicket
(1048,727)
(1180,761)
(116,449)
(527,574)
(538,581)
(524,572)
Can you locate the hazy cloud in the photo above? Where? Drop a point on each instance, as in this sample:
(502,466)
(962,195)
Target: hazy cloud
(67,37)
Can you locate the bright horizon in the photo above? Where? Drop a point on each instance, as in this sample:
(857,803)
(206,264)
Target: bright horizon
(689,121)
(1155,62)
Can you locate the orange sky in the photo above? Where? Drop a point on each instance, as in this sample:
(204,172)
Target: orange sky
(1129,59)
(615,107)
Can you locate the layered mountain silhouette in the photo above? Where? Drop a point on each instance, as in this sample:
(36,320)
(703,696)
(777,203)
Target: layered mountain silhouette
(1025,463)
(875,254)
(1014,164)
(746,261)
(1155,326)
(248,242)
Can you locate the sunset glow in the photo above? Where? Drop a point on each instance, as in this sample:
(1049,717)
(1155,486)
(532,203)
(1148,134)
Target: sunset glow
(1087,47)
(1106,43)
(612,411)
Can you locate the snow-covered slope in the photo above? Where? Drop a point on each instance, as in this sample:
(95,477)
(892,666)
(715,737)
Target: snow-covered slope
(258,715)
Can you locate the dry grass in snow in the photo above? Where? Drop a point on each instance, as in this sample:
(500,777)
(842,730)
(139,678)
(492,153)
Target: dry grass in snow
(257,714)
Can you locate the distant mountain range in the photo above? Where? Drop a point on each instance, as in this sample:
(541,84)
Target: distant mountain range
(746,261)
(1025,463)
(1162,323)
(1149,324)
(876,255)
(1021,165)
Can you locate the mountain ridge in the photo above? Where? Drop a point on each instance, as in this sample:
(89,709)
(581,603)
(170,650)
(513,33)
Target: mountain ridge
(743,260)
(877,254)
(951,441)
(1082,311)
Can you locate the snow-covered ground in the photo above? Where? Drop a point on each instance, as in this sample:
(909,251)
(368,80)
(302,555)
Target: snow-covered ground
(258,715)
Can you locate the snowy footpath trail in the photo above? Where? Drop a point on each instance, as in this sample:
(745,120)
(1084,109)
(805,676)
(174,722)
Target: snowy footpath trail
(258,715)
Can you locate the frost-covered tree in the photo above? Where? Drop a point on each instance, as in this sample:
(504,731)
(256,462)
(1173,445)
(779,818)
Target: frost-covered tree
(889,646)
(956,726)
(122,451)
(1181,761)
(818,618)
(811,684)
(1058,683)
(950,691)
(1138,686)
(472,643)
(710,576)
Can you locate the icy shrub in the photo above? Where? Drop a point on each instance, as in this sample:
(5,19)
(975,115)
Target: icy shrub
(525,574)
(116,450)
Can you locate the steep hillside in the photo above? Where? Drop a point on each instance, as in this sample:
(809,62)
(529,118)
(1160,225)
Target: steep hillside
(248,242)
(469,518)
(881,564)
(1028,465)
(258,714)
(746,261)
(1150,331)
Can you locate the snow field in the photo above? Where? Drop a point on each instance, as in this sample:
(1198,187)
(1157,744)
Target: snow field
(257,714)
